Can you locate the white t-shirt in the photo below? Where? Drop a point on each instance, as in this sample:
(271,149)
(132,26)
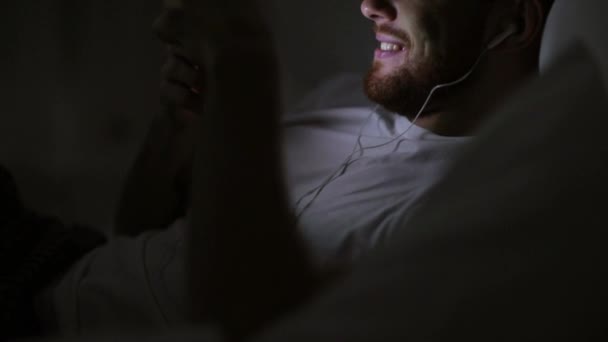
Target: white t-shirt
(345,217)
(137,283)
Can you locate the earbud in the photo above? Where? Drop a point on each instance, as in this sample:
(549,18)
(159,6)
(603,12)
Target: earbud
(511,30)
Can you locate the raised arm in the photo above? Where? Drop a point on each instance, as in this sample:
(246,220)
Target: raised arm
(247,264)
(156,190)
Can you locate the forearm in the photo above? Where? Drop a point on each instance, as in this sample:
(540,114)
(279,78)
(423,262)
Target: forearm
(154,192)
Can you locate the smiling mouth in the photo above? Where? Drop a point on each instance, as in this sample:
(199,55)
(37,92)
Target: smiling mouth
(391,47)
(389,50)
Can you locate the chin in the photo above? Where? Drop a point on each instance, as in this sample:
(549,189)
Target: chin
(391,88)
(383,71)
(401,89)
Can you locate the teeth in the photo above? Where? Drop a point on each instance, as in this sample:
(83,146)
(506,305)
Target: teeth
(390,47)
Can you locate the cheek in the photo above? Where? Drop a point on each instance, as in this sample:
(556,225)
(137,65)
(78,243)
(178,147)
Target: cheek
(428,37)
(463,47)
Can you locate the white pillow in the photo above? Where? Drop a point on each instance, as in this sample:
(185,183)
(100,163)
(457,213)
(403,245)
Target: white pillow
(572,20)
(509,246)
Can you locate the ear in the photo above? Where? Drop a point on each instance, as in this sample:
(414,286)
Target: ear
(530,20)
(527,16)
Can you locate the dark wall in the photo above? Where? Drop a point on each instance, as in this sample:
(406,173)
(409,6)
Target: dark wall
(80,83)
(319,38)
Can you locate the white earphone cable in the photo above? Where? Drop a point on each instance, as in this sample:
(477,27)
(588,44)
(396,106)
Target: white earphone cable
(349,160)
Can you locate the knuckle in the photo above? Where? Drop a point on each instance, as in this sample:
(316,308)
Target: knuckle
(178,71)
(173,93)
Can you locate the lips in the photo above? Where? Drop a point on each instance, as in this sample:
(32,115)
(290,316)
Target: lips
(390,40)
(389,46)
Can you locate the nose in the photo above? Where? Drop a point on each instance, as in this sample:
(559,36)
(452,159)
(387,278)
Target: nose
(168,26)
(380,11)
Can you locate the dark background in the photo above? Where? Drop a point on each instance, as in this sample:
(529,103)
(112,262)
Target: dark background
(80,83)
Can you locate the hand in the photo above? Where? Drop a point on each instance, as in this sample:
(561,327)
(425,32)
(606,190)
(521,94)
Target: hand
(182,85)
(197,32)
(215,27)
(157,189)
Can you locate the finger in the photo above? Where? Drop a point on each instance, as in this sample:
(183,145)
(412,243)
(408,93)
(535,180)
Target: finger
(185,56)
(180,95)
(178,69)
(218,21)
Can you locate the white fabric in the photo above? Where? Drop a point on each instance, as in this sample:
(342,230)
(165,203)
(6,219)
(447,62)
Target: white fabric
(582,21)
(126,285)
(355,211)
(510,245)
(141,276)
(132,283)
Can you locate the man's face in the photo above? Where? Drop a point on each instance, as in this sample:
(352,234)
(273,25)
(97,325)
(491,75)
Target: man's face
(421,43)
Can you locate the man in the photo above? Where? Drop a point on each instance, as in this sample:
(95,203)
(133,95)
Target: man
(346,203)
(437,43)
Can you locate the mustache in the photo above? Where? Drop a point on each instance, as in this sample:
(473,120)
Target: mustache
(389,30)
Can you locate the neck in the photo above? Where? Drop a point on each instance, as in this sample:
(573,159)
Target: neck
(442,123)
(455,116)
(462,109)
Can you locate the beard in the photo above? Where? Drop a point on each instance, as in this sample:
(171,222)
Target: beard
(405,89)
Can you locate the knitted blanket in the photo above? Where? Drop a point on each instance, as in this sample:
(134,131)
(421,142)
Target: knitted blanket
(34,250)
